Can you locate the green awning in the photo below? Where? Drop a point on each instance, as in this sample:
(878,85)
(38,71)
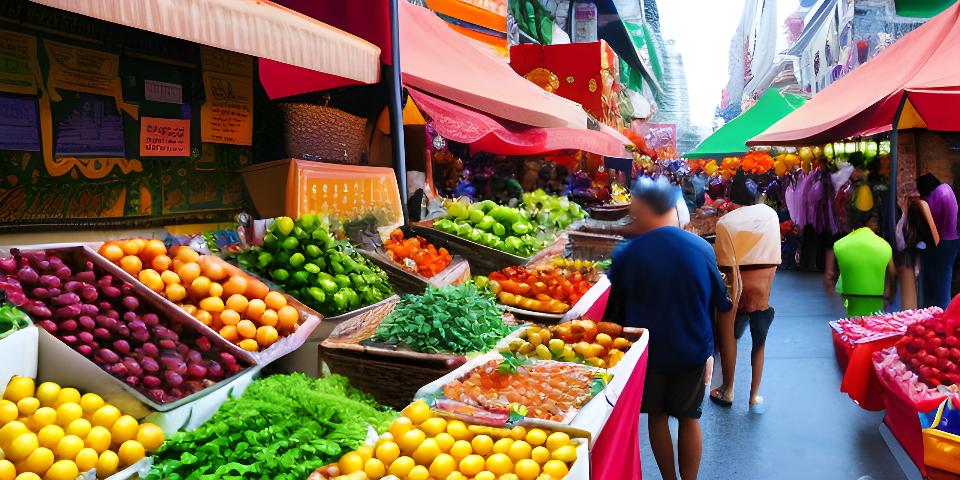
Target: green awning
(645,52)
(922,8)
(731,139)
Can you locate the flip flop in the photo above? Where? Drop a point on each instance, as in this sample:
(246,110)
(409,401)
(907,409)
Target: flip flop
(716,396)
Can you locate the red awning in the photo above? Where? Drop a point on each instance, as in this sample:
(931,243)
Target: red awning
(489,134)
(866,99)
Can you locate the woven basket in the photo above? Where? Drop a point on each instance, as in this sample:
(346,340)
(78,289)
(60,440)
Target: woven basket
(319,132)
(591,246)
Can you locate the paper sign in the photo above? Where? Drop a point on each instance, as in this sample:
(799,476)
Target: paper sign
(19,124)
(83,70)
(165,92)
(164,137)
(225,61)
(227,114)
(19,69)
(88,126)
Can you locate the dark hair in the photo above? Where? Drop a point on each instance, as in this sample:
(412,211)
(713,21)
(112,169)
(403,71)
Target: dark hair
(927,183)
(659,194)
(743,191)
(857,159)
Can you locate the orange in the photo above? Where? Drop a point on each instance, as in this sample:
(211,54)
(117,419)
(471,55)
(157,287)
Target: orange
(527,469)
(211,304)
(190,309)
(177,263)
(213,270)
(236,285)
(216,290)
(237,302)
(161,263)
(131,264)
(153,248)
(150,436)
(249,345)
(204,316)
(269,317)
(151,279)
(254,310)
(287,318)
(275,300)
(229,332)
(266,335)
(188,272)
(256,289)
(169,277)
(111,251)
(187,255)
(133,246)
(175,292)
(230,317)
(200,287)
(246,329)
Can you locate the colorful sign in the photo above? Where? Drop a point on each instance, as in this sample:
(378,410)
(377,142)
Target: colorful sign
(164,92)
(164,137)
(19,70)
(227,114)
(88,126)
(19,124)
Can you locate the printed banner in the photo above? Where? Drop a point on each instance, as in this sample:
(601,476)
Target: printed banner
(87,126)
(164,137)
(19,124)
(227,114)
(19,69)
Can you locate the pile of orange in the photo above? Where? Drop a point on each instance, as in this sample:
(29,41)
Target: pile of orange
(241,308)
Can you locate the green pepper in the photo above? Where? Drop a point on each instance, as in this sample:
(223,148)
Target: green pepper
(284,225)
(308,222)
(280,275)
(342,280)
(357,280)
(320,235)
(480,281)
(290,243)
(328,286)
(317,294)
(341,300)
(297,259)
(301,277)
(300,233)
(320,262)
(269,240)
(499,230)
(312,268)
(337,268)
(331,242)
(264,259)
(352,297)
(282,258)
(370,278)
(350,265)
(313,251)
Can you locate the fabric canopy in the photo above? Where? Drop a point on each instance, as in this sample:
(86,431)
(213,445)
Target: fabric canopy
(921,8)
(254,27)
(866,100)
(731,139)
(438,60)
(502,137)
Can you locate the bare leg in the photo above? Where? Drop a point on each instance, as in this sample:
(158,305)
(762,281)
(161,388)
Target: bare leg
(908,287)
(662,444)
(756,360)
(727,345)
(690,446)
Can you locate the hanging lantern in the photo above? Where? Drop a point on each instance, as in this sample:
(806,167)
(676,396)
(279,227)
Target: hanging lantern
(885,147)
(850,147)
(805,154)
(871,151)
(828,150)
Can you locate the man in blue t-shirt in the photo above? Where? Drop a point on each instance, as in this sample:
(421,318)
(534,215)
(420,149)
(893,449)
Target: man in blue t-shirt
(666,280)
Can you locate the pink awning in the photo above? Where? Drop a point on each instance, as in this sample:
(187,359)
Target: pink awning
(488,134)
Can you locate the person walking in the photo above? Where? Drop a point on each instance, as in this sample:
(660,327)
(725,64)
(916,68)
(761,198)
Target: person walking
(666,280)
(936,261)
(865,260)
(748,252)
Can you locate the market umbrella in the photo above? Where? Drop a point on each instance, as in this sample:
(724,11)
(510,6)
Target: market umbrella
(731,139)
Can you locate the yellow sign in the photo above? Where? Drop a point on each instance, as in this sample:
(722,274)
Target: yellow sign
(227,114)
(225,61)
(19,70)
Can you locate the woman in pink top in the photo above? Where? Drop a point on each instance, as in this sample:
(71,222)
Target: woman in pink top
(936,262)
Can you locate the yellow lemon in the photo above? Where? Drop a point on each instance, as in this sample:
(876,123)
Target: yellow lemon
(350,463)
(68,447)
(130,452)
(7,470)
(68,412)
(457,476)
(87,459)
(150,436)
(458,430)
(365,452)
(499,464)
(511,476)
(21,446)
(19,388)
(485,475)
(400,467)
(418,472)
(79,427)
(105,416)
(107,464)
(556,469)
(426,452)
(527,469)
(62,470)
(47,393)
(566,453)
(374,468)
(418,412)
(409,441)
(460,449)
(442,466)
(433,426)
(557,440)
(482,445)
(471,465)
(98,439)
(519,450)
(536,437)
(387,452)
(518,432)
(12,430)
(27,406)
(49,436)
(67,395)
(125,428)
(44,416)
(90,402)
(502,445)
(8,411)
(28,476)
(39,461)
(540,455)
(445,441)
(400,426)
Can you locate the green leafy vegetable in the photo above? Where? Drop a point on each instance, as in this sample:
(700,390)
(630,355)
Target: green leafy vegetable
(454,319)
(282,428)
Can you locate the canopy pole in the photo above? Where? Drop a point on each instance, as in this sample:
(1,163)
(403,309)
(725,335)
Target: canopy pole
(894,160)
(396,107)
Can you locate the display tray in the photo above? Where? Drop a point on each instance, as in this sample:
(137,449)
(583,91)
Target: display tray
(482,258)
(405,281)
(575,311)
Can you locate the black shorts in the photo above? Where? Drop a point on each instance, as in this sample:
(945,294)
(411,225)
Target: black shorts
(678,394)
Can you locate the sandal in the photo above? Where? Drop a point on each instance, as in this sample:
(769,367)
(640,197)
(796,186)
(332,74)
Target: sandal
(717,396)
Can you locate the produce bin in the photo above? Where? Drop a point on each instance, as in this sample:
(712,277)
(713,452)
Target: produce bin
(482,258)
(591,246)
(19,353)
(405,281)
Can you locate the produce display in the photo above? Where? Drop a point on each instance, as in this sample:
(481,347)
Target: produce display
(453,319)
(550,211)
(101,317)
(931,349)
(874,327)
(544,389)
(11,317)
(241,308)
(416,254)
(422,446)
(283,427)
(544,289)
(596,344)
(55,433)
(306,261)
(504,228)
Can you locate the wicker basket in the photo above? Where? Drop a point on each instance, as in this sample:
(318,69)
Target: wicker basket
(591,246)
(319,132)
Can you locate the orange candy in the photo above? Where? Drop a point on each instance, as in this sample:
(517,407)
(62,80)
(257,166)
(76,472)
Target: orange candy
(287,318)
(131,264)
